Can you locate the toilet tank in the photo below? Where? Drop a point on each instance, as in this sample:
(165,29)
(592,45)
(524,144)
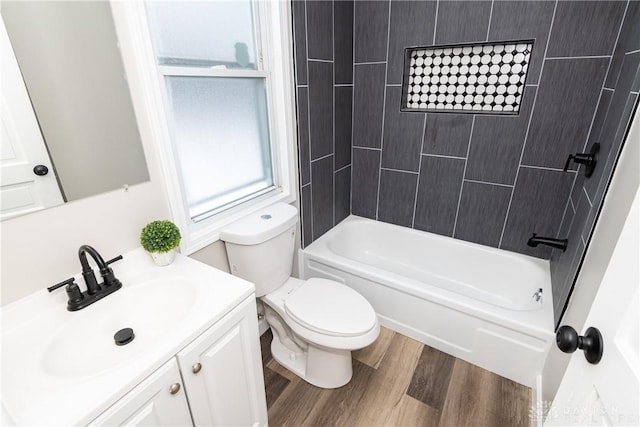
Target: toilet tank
(260,246)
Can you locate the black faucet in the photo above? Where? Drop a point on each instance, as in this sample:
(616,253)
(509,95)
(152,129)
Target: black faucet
(87,271)
(95,291)
(548,241)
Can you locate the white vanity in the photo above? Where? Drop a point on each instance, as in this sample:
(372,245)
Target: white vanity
(195,357)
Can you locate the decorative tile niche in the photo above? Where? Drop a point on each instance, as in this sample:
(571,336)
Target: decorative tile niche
(475,78)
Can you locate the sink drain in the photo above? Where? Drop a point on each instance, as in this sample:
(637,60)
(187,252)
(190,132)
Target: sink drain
(124,336)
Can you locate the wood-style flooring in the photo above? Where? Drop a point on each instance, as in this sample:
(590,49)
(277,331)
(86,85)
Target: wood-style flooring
(397,381)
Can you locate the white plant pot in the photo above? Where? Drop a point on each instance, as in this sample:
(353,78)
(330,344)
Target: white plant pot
(163,258)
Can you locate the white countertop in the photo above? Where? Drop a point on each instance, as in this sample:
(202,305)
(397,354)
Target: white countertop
(34,394)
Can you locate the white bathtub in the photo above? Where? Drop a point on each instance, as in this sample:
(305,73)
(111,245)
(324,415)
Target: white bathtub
(471,301)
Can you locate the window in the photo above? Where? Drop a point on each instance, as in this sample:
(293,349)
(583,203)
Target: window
(217,101)
(222,85)
(221,135)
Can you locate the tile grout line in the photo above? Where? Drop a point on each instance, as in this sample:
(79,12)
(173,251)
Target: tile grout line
(306,40)
(566,206)
(490,17)
(588,198)
(322,158)
(343,85)
(399,170)
(443,155)
(384,104)
(560,58)
(464,172)
(330,61)
(631,52)
(546,46)
(370,63)
(353,95)
(415,197)
(435,23)
(548,168)
(533,108)
(333,83)
(303,215)
(366,148)
(342,168)
(488,183)
(574,255)
(573,207)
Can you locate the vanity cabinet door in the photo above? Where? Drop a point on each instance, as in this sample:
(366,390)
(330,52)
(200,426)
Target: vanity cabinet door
(159,400)
(222,372)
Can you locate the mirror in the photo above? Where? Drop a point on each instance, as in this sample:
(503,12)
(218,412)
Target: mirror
(68,56)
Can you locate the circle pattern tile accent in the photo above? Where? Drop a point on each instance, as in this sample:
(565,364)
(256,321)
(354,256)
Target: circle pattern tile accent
(467,78)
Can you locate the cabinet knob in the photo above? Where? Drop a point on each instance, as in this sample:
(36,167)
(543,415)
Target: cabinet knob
(196,368)
(174,388)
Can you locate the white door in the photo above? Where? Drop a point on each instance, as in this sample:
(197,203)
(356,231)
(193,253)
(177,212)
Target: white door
(159,400)
(607,393)
(22,146)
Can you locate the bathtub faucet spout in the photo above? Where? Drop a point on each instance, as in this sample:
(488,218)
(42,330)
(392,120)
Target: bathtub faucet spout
(547,241)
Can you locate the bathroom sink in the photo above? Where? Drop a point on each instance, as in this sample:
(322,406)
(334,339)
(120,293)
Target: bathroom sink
(66,364)
(84,345)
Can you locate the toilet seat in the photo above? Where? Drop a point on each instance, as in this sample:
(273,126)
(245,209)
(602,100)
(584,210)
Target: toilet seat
(315,330)
(331,308)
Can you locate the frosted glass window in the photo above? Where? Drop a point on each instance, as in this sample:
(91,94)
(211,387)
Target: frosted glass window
(206,52)
(218,34)
(221,134)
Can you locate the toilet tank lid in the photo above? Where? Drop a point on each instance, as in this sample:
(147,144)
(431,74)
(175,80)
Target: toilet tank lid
(260,226)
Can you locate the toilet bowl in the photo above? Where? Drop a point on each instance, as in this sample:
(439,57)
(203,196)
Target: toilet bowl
(315,323)
(329,319)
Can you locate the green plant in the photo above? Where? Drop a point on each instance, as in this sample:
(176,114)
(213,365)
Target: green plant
(160,236)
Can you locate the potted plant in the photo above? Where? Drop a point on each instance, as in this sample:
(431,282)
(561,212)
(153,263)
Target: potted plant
(161,239)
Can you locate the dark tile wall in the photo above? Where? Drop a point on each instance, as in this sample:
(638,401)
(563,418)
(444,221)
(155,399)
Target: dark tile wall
(488,179)
(492,180)
(323,48)
(616,106)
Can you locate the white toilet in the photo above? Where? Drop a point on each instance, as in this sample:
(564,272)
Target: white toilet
(315,323)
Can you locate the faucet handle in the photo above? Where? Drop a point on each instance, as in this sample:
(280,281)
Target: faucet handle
(74,294)
(73,291)
(61,284)
(104,270)
(111,261)
(587,159)
(107,272)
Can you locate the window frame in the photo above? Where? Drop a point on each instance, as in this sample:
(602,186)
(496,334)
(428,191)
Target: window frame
(275,65)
